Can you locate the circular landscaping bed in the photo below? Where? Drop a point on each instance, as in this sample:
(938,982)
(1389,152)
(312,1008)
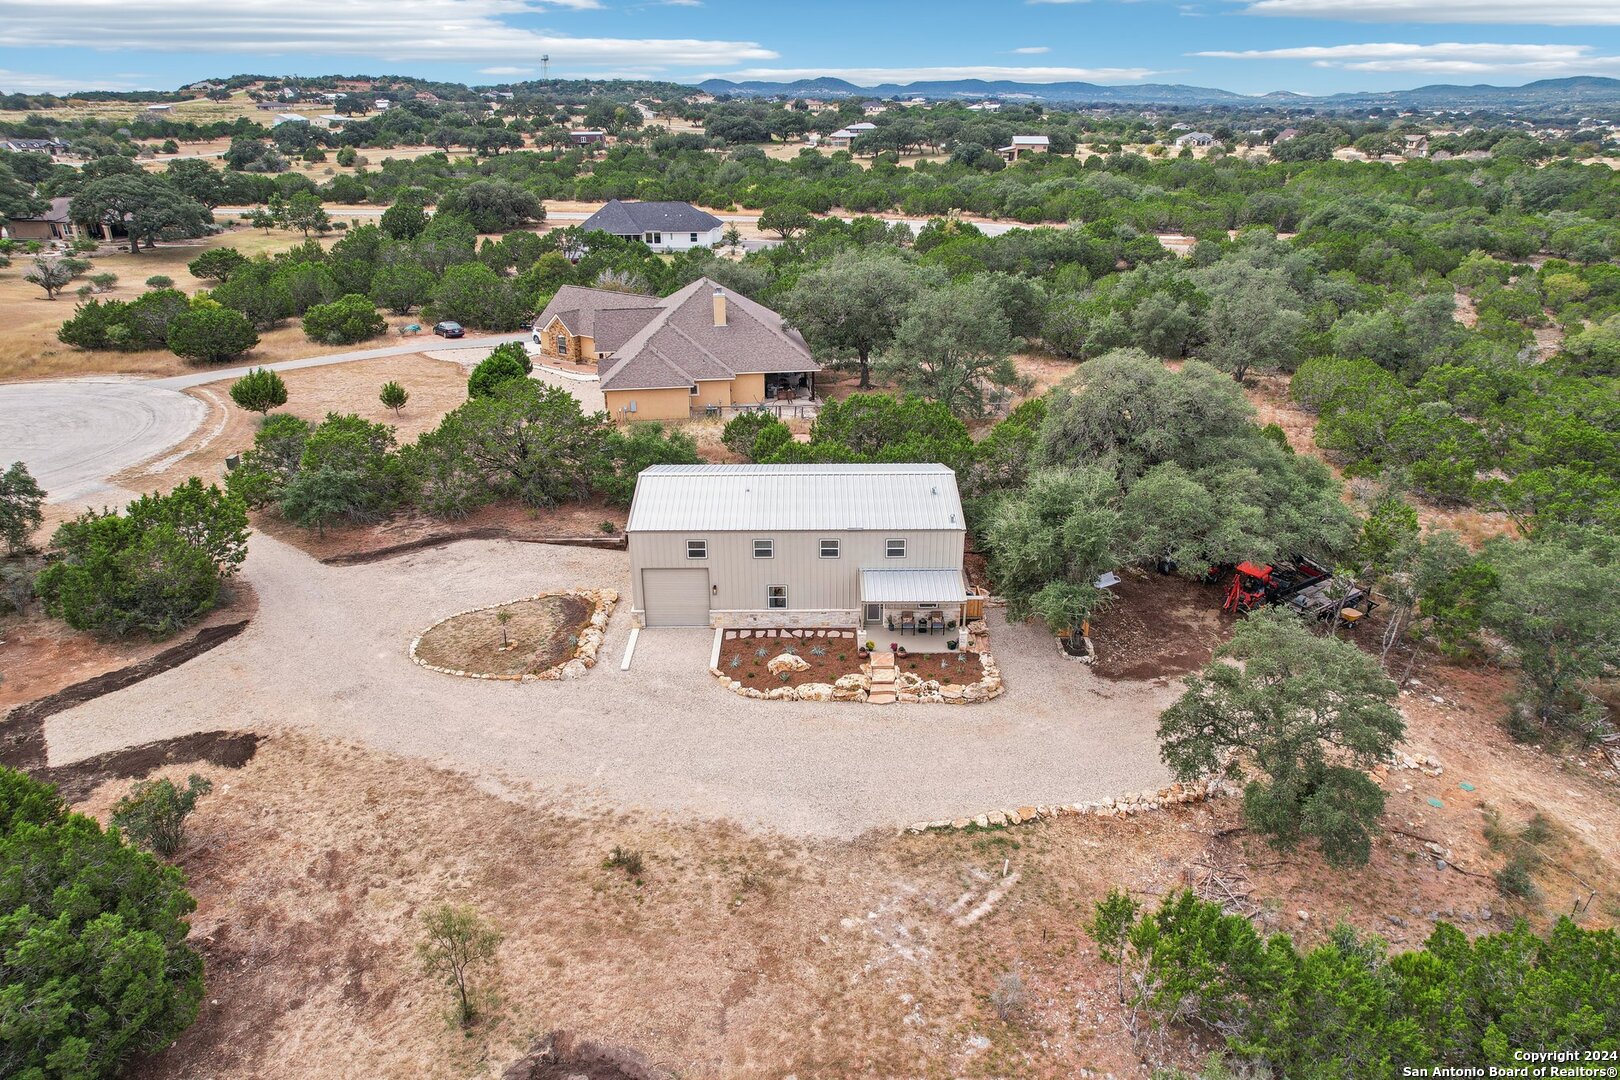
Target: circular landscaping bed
(537,638)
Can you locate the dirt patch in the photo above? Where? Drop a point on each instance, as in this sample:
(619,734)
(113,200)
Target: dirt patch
(828,657)
(224,749)
(1157,626)
(41,656)
(563,1056)
(411,531)
(539,634)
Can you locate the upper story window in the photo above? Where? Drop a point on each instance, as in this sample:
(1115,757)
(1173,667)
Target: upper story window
(764,549)
(829,549)
(697,549)
(894,549)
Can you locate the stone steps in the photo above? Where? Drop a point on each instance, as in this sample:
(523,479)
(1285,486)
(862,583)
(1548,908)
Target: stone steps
(883,688)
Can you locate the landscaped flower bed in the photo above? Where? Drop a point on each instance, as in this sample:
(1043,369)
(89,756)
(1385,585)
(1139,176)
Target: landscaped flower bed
(826,654)
(550,636)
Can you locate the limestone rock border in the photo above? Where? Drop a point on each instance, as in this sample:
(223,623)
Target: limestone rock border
(585,653)
(910,688)
(1136,802)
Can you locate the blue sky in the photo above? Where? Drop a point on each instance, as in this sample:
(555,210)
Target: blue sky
(1250,46)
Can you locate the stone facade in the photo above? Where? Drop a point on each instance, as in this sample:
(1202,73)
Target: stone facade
(584,658)
(1137,802)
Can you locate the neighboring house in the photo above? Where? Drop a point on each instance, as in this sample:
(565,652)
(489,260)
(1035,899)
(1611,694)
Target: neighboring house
(1416,146)
(861,127)
(873,108)
(985,106)
(587,137)
(1287,133)
(53,224)
(289,118)
(333,119)
(1195,138)
(34,146)
(1025,144)
(841,139)
(827,546)
(662,226)
(666,358)
(382,104)
(160,108)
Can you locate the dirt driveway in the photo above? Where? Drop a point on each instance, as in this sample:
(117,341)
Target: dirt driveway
(327,652)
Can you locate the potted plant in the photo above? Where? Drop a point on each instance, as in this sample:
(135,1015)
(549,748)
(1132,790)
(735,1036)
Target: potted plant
(950,624)
(951,644)
(870,645)
(900,651)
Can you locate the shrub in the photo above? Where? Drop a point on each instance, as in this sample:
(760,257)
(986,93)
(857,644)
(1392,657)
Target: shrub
(742,430)
(211,334)
(346,320)
(153,568)
(93,932)
(266,469)
(154,812)
(643,446)
(160,281)
(347,469)
(393,396)
(627,859)
(104,281)
(503,364)
(217,264)
(260,390)
(1009,997)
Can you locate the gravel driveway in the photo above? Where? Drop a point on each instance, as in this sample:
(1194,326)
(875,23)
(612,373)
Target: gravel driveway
(327,652)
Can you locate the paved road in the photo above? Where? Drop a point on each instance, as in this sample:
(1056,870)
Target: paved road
(74,433)
(327,653)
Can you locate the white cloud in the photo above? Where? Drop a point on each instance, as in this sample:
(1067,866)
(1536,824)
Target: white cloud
(446,30)
(24,82)
(1445,58)
(507,70)
(1032,50)
(681,3)
(1056,2)
(1548,13)
(874,76)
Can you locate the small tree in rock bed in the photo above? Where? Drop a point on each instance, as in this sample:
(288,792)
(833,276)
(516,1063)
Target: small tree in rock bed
(456,944)
(154,812)
(21,506)
(260,390)
(1301,721)
(393,396)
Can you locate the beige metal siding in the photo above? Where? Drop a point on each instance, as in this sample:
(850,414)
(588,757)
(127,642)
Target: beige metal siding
(672,597)
(740,580)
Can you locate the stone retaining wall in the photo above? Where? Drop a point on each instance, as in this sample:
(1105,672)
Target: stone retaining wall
(1138,802)
(584,658)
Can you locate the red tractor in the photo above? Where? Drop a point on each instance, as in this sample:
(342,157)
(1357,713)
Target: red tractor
(1254,585)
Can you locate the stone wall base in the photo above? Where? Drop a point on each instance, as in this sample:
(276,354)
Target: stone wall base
(753,619)
(1137,802)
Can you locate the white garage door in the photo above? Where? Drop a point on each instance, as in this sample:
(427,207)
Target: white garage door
(675,597)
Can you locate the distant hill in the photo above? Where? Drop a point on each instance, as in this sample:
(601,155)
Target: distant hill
(1578,92)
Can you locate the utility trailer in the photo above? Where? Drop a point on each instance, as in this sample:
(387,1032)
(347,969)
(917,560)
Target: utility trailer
(1304,586)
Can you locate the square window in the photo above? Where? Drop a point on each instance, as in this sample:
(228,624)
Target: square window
(829,549)
(764,549)
(894,549)
(776,596)
(697,549)
(694,238)
(694,389)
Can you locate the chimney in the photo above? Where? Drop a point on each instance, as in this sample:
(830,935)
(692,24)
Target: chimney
(719,306)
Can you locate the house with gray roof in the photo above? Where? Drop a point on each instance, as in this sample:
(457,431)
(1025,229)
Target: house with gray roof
(662,226)
(703,349)
(877,548)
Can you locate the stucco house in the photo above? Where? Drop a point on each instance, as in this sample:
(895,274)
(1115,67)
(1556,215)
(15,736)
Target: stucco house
(825,546)
(662,226)
(668,358)
(53,224)
(1195,138)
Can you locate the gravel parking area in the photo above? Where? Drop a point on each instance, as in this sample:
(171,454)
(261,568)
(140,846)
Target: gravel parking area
(327,652)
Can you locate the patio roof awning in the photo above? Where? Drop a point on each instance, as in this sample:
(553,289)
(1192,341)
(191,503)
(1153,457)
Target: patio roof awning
(943,586)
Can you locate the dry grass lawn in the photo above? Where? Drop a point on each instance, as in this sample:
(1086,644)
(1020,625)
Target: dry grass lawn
(29,349)
(435,386)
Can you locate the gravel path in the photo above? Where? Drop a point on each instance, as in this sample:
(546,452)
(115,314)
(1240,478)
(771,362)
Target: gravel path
(327,652)
(73,433)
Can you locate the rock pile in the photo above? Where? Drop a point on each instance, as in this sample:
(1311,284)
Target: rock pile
(1137,802)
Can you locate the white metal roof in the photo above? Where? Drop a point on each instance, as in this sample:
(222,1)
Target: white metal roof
(921,587)
(795,498)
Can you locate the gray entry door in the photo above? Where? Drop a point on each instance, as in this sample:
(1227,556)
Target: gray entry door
(675,597)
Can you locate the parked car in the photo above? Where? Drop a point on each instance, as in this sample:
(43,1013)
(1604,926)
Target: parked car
(449,329)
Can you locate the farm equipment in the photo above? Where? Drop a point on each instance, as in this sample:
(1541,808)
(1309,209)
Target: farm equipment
(1304,586)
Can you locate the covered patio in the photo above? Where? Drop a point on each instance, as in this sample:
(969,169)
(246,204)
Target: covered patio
(921,610)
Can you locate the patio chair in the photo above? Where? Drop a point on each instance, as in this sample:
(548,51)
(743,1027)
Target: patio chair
(908,618)
(936,619)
